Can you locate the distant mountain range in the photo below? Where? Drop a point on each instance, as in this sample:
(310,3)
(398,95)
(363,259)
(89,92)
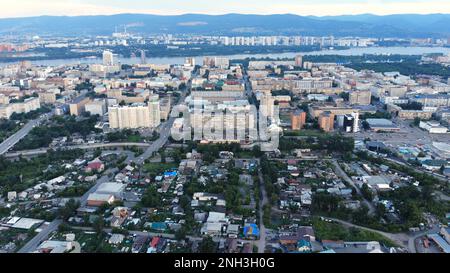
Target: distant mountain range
(364,25)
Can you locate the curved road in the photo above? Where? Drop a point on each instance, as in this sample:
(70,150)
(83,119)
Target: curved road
(342,174)
(73,147)
(16,137)
(32,245)
(401,239)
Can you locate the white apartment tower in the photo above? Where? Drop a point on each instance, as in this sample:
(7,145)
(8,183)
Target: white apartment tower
(108,58)
(136,115)
(143,58)
(189,61)
(299,60)
(355,116)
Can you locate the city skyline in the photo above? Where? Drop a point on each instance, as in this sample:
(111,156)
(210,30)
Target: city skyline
(30,8)
(224,127)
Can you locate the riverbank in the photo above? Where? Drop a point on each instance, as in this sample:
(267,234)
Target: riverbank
(180,60)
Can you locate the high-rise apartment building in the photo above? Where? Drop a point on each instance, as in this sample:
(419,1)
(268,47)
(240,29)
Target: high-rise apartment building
(232,121)
(29,104)
(326,121)
(348,122)
(47,97)
(221,62)
(208,61)
(108,58)
(143,58)
(298,119)
(360,97)
(299,60)
(136,115)
(267,104)
(189,61)
(77,105)
(96,107)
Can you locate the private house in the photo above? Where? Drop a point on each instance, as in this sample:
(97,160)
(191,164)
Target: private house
(95,166)
(251,231)
(98,199)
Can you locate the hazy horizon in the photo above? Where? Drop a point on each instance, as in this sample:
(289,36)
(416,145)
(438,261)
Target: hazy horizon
(196,13)
(320,8)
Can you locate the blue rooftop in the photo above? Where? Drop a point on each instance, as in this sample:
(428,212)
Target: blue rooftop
(251,230)
(159,225)
(170,173)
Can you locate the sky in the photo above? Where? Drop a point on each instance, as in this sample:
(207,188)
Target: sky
(26,8)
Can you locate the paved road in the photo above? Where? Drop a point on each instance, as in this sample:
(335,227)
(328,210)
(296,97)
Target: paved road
(399,238)
(33,244)
(155,146)
(72,147)
(413,239)
(342,174)
(16,137)
(105,178)
(248,86)
(405,240)
(407,136)
(164,133)
(420,170)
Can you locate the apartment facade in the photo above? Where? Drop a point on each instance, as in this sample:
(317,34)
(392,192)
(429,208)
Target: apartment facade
(137,115)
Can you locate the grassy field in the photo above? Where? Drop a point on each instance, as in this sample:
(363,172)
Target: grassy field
(334,231)
(21,174)
(158,168)
(134,138)
(303,132)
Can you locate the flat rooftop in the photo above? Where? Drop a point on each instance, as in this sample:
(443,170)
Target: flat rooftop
(380,122)
(110,187)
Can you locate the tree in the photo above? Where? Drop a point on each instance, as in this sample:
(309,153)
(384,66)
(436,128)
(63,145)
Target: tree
(361,215)
(207,245)
(324,202)
(256,151)
(63,227)
(69,209)
(163,157)
(180,234)
(97,152)
(366,192)
(98,225)
(345,95)
(151,198)
(365,125)
(410,213)
(414,105)
(380,210)
(120,231)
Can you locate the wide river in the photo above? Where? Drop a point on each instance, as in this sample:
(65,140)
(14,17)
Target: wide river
(180,60)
